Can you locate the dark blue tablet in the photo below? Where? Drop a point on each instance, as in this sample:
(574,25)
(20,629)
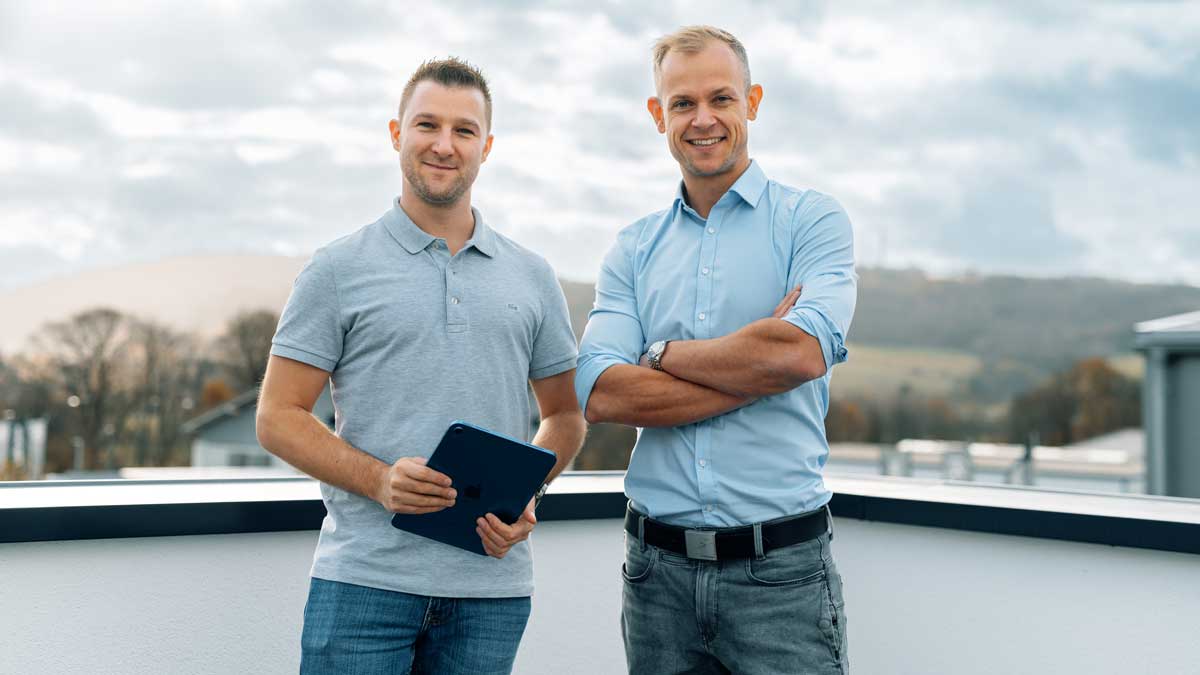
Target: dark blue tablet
(492,474)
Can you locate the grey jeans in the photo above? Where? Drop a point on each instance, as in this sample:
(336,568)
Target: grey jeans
(781,613)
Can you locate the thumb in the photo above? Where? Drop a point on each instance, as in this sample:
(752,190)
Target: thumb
(528,516)
(418,460)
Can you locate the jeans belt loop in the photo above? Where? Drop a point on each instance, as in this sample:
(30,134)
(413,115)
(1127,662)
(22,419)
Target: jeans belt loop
(642,531)
(829,520)
(758,542)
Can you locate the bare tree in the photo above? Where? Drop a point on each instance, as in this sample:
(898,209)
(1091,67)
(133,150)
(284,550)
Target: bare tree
(88,357)
(167,365)
(244,347)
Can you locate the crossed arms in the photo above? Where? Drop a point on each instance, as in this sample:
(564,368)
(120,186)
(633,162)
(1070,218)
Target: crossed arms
(705,378)
(798,342)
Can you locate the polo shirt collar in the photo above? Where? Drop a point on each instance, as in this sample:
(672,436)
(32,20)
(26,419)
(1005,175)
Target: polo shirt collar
(414,239)
(749,186)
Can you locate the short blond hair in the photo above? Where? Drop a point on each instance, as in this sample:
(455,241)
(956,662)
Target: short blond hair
(693,39)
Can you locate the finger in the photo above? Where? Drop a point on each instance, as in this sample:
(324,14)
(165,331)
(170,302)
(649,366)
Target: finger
(785,306)
(787,301)
(509,532)
(424,473)
(493,551)
(421,502)
(407,484)
(415,510)
(494,538)
(517,532)
(499,526)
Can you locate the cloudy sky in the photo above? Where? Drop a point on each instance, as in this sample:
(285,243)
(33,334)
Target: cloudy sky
(1052,139)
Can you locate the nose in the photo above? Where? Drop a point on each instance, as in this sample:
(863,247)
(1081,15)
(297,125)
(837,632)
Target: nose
(442,145)
(704,117)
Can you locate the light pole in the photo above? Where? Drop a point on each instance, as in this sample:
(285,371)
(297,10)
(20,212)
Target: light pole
(73,403)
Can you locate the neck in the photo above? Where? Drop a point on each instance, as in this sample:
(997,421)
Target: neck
(702,192)
(453,222)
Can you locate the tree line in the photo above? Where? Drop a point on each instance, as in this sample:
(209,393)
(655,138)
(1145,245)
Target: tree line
(116,389)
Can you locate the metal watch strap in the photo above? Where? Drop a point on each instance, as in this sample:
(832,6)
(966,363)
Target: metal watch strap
(537,497)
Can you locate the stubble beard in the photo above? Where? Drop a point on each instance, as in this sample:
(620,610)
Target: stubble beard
(725,166)
(447,197)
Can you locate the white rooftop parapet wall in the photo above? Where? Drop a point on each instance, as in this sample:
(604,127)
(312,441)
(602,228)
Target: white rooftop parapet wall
(919,600)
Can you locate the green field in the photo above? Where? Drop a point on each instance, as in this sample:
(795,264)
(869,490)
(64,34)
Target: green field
(880,372)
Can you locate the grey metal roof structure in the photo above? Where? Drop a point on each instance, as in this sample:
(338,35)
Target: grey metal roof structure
(1170,399)
(1180,331)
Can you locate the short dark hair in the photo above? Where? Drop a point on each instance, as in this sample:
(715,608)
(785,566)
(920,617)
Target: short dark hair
(449,72)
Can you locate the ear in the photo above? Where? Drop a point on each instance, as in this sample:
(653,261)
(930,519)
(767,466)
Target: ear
(752,101)
(394,132)
(656,111)
(487,148)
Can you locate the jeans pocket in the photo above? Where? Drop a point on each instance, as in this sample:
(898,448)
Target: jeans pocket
(796,565)
(638,562)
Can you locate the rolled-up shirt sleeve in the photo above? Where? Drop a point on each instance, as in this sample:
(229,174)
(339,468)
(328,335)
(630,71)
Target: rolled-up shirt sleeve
(823,263)
(310,328)
(614,332)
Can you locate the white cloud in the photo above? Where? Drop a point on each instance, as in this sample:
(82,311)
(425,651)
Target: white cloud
(133,131)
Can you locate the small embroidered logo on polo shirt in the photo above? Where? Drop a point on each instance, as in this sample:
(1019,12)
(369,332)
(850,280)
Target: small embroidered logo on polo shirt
(512,306)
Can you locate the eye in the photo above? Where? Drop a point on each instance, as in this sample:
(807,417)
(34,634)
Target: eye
(424,125)
(679,105)
(723,99)
(466,132)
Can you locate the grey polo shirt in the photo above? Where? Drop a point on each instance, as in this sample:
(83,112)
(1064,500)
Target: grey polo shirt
(413,340)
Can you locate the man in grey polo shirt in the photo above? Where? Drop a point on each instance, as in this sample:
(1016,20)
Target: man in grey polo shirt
(423,317)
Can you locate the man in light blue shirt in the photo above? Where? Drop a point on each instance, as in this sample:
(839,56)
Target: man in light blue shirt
(715,328)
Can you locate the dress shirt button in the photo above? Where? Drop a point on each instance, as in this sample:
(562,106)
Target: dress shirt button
(700,316)
(704,271)
(454,301)
(708,508)
(712,230)
(703,462)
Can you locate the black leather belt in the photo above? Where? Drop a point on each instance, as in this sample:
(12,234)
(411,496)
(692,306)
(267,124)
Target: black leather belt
(730,542)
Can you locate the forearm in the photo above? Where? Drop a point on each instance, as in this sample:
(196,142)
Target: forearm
(563,433)
(298,438)
(643,397)
(766,357)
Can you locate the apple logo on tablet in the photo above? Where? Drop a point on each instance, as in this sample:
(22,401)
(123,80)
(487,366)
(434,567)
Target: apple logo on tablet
(472,491)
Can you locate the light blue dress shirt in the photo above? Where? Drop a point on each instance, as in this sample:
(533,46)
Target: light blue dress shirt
(676,276)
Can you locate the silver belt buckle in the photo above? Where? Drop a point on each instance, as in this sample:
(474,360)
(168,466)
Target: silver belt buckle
(701,544)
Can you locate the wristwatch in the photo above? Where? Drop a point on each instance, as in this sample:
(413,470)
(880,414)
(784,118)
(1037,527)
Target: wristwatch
(537,498)
(655,353)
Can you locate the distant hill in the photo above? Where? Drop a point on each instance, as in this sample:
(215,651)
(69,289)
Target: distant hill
(195,293)
(982,338)
(1042,322)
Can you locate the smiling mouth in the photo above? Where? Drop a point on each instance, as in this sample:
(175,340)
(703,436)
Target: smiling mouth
(438,166)
(705,142)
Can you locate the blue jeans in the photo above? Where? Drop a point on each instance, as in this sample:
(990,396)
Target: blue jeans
(782,613)
(351,629)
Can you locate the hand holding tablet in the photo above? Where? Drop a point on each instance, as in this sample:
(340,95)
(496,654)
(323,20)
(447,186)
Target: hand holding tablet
(494,479)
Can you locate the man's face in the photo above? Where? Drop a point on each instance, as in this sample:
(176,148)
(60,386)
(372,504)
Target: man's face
(442,138)
(703,107)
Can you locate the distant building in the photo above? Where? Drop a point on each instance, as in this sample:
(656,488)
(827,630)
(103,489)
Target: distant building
(225,436)
(22,448)
(1171,403)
